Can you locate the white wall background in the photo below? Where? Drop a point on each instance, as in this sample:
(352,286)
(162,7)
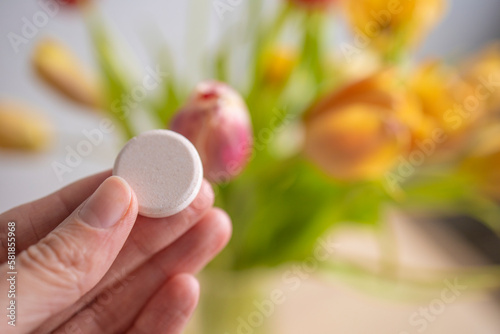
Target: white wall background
(24,177)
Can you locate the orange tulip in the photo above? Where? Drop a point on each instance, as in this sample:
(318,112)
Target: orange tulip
(483,72)
(358,133)
(449,104)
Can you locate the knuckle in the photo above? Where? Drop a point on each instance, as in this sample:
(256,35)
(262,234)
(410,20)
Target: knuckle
(59,259)
(145,246)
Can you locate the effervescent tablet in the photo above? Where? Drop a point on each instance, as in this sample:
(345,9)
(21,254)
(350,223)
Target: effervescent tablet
(164,170)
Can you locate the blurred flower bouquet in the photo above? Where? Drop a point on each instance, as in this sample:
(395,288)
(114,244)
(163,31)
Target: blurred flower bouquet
(301,132)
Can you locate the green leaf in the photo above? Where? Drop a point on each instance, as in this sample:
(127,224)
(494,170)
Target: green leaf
(261,99)
(170,101)
(313,48)
(115,78)
(295,206)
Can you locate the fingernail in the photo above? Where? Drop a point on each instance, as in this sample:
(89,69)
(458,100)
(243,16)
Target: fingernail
(108,204)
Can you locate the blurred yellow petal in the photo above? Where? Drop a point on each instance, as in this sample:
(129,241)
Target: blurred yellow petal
(62,70)
(384,89)
(279,63)
(483,72)
(448,102)
(381,24)
(23,128)
(358,132)
(488,141)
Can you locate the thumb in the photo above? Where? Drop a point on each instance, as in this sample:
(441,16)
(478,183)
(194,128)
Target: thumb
(68,262)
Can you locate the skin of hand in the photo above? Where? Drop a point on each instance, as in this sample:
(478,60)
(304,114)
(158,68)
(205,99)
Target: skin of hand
(86,262)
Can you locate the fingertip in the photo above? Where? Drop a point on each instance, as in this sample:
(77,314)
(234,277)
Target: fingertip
(225,221)
(119,182)
(220,223)
(134,205)
(205,197)
(111,203)
(169,310)
(185,288)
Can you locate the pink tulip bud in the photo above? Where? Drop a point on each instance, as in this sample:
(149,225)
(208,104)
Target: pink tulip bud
(216,121)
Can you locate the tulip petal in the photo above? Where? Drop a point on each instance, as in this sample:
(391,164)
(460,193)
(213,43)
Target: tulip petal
(22,128)
(58,67)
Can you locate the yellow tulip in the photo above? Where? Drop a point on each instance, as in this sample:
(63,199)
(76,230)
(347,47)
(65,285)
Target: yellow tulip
(449,104)
(358,132)
(483,72)
(23,129)
(389,24)
(61,69)
(279,63)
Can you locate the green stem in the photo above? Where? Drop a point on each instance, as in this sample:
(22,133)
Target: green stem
(265,38)
(313,44)
(114,78)
(126,127)
(395,53)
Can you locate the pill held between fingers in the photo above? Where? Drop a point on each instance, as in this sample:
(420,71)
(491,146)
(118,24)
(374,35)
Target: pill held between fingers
(164,170)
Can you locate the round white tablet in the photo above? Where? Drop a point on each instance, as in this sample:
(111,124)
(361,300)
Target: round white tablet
(164,170)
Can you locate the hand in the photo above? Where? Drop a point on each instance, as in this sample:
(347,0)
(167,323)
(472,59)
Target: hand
(94,266)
